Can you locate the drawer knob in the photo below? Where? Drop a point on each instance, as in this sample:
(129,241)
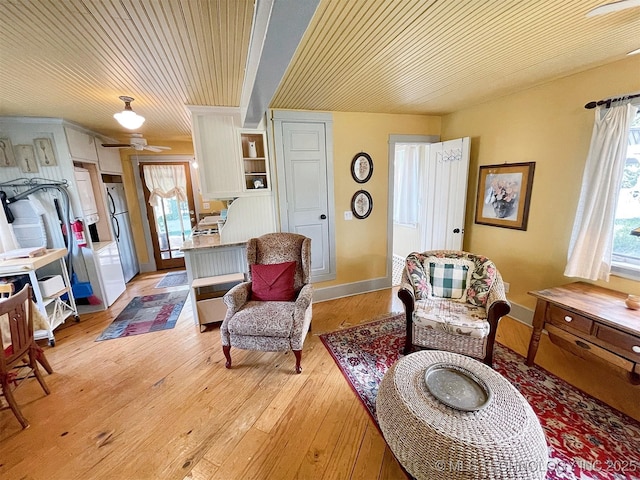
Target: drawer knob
(567,318)
(636,348)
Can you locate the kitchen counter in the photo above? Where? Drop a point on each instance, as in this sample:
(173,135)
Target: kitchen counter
(205,256)
(208,241)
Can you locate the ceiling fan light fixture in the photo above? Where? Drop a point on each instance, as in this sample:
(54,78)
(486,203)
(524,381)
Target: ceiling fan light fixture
(612,7)
(127,117)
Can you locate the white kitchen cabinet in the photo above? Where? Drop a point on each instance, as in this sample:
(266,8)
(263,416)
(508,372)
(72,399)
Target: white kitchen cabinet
(109,270)
(87,195)
(232,161)
(216,145)
(108,158)
(81,145)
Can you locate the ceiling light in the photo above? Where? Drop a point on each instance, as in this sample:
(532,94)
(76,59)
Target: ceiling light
(128,118)
(634,52)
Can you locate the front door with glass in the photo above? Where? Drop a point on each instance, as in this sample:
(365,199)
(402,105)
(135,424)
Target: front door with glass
(170,209)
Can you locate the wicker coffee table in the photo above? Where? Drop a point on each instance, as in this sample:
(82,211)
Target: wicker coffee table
(502,440)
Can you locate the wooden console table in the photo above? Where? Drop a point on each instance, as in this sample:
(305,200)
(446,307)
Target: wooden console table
(591,322)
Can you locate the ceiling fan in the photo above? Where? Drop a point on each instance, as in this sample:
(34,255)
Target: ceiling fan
(613,7)
(137,143)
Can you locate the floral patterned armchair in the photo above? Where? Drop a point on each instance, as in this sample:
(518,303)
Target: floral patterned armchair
(255,322)
(453,301)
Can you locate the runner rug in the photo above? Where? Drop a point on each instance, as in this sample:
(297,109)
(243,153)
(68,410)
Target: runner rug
(587,439)
(173,279)
(149,313)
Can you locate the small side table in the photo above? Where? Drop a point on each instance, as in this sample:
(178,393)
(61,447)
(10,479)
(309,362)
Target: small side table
(591,322)
(503,440)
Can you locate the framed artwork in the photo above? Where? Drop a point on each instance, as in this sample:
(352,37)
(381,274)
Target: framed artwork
(44,151)
(504,194)
(26,159)
(7,159)
(361,204)
(362,167)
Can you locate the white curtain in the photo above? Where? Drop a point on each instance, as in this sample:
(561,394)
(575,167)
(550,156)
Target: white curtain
(592,237)
(406,183)
(165,181)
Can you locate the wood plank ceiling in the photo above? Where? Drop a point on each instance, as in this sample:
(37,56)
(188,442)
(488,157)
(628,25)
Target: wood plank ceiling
(73,58)
(438,56)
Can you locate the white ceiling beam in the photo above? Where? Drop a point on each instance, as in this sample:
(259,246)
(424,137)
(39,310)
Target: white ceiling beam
(278,27)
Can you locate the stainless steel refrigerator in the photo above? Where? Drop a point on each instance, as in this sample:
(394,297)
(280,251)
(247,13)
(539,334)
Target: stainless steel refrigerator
(121,225)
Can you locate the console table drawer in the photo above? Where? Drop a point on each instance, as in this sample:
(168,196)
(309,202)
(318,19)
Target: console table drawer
(582,348)
(624,343)
(565,318)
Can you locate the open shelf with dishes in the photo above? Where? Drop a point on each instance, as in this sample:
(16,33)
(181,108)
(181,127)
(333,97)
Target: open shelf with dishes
(255,166)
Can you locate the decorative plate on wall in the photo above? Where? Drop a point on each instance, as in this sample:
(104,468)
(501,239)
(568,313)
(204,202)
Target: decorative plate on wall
(362,167)
(361,204)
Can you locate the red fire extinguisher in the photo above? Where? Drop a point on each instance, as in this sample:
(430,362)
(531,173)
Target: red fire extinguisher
(78,233)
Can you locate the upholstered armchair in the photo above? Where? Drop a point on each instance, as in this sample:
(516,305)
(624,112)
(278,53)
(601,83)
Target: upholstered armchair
(453,301)
(272,310)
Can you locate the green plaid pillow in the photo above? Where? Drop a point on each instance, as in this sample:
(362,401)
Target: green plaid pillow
(448,280)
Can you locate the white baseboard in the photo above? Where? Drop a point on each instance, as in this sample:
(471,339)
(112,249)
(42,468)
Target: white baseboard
(349,289)
(521,314)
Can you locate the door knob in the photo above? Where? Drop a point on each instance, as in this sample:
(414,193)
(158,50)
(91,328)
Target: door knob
(323,217)
(456,230)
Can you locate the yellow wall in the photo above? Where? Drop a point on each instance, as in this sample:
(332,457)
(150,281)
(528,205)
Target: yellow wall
(361,245)
(550,126)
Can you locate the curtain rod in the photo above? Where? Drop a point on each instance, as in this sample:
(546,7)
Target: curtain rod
(609,101)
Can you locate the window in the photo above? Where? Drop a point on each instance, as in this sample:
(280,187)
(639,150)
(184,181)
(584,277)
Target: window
(626,246)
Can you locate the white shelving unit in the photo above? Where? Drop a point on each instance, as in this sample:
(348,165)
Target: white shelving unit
(55,309)
(255,166)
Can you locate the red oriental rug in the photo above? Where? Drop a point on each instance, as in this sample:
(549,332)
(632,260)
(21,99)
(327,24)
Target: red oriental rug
(587,439)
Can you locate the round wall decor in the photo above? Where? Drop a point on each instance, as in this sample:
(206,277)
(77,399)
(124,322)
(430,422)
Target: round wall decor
(361,204)
(362,167)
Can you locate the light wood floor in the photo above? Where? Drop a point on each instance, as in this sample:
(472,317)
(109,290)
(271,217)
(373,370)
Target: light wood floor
(162,405)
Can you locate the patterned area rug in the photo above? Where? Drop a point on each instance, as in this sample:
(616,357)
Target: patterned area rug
(150,313)
(173,279)
(587,439)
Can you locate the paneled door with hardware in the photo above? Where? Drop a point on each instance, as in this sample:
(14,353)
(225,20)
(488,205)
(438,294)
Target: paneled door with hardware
(307,206)
(170,209)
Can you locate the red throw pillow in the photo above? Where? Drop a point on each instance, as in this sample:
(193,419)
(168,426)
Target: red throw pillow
(273,282)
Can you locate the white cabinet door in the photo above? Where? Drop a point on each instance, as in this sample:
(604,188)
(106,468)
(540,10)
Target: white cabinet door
(216,144)
(81,145)
(444,181)
(110,271)
(86,194)
(108,158)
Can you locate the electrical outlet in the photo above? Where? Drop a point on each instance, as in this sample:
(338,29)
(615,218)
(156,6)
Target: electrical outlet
(348,215)
(206,205)
(506,287)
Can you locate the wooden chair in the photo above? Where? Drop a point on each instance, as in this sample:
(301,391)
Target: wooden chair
(6,290)
(16,317)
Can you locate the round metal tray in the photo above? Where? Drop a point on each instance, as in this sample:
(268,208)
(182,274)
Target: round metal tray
(457,387)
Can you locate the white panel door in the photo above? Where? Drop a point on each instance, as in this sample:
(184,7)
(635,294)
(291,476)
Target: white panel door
(304,149)
(443,205)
